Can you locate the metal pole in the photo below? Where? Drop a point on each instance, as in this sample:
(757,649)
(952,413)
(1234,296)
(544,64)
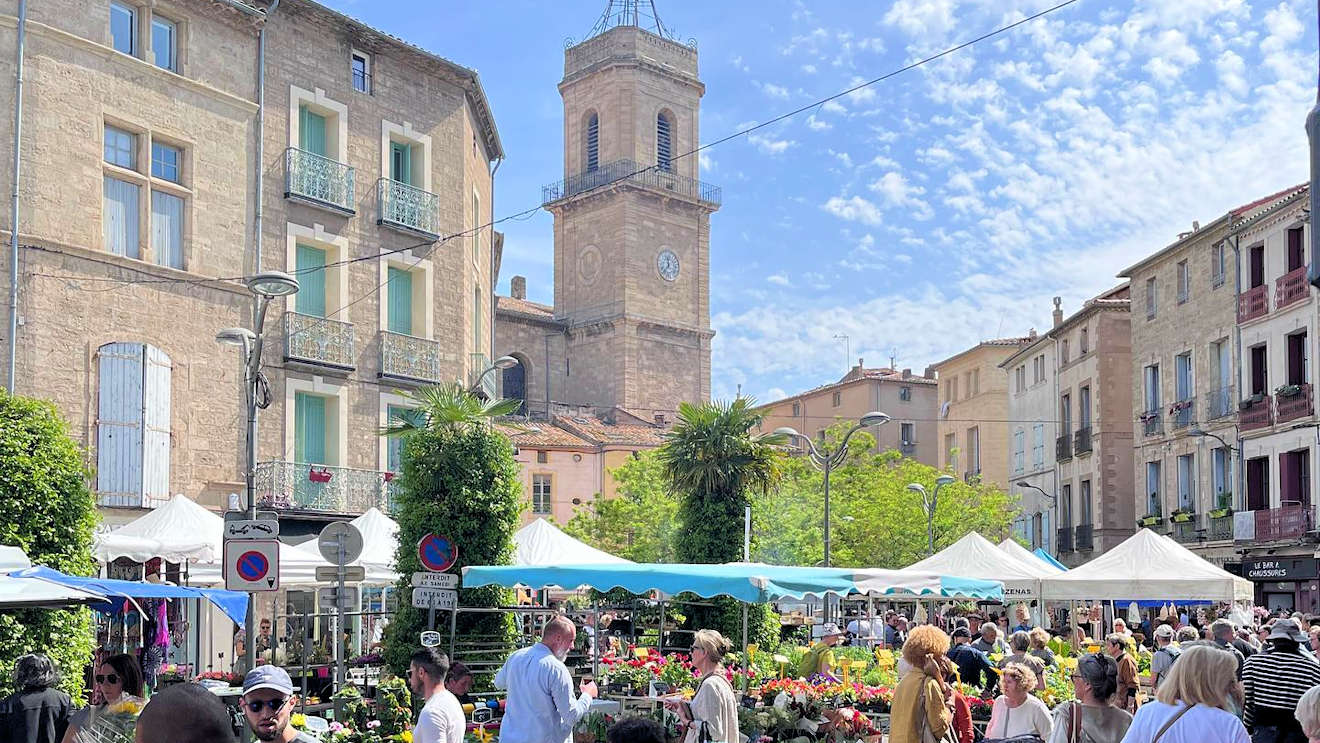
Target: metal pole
(453,630)
(250,483)
(1313,137)
(930,519)
(13,204)
(339,622)
(828,466)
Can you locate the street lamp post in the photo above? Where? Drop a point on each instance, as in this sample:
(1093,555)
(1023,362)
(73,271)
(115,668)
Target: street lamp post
(929,501)
(503,362)
(826,460)
(1054,502)
(264,287)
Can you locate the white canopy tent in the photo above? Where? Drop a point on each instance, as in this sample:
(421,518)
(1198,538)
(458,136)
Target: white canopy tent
(1125,573)
(35,593)
(974,556)
(1024,555)
(380,541)
(542,543)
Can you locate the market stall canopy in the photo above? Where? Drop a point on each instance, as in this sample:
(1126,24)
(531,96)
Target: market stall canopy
(232,603)
(751,582)
(543,543)
(13,558)
(913,582)
(1124,572)
(29,593)
(380,542)
(179,531)
(1022,554)
(975,556)
(1048,558)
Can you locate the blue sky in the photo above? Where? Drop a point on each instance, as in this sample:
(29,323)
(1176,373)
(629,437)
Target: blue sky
(941,207)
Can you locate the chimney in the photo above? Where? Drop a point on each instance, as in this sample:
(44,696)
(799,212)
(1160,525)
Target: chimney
(928,372)
(1196,225)
(518,287)
(1032,335)
(1058,311)
(907,373)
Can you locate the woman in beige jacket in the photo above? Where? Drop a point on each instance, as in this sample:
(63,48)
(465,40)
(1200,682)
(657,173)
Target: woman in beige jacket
(714,706)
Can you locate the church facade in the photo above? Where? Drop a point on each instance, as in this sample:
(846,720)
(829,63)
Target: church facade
(628,337)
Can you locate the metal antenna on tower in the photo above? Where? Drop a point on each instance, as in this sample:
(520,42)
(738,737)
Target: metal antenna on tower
(630,13)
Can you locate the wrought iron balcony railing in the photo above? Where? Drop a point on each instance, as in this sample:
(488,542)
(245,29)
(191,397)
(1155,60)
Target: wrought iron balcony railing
(1063,447)
(409,358)
(907,448)
(1065,539)
(1183,413)
(1085,537)
(1152,422)
(1221,527)
(407,208)
(1296,403)
(319,181)
(1219,402)
(1186,531)
(1082,441)
(1285,522)
(320,488)
(633,173)
(1291,287)
(318,340)
(1259,414)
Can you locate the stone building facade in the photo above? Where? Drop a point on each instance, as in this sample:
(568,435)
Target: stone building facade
(630,324)
(974,434)
(139,167)
(1031,420)
(909,399)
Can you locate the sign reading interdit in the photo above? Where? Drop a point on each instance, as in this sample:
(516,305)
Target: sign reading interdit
(1280,568)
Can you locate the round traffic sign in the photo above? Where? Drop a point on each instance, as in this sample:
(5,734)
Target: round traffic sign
(252,566)
(437,553)
(340,543)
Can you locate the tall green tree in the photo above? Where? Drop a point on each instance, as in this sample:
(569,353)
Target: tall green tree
(49,512)
(716,462)
(641,523)
(459,480)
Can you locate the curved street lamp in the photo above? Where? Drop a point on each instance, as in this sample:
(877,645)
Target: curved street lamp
(503,362)
(928,503)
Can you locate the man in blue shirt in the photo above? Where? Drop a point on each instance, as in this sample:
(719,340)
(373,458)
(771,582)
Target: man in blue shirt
(974,668)
(541,707)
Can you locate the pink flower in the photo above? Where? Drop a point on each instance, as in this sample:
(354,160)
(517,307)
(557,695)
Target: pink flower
(373,724)
(336,727)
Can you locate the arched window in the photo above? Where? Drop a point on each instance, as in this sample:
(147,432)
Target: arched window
(593,142)
(514,384)
(664,141)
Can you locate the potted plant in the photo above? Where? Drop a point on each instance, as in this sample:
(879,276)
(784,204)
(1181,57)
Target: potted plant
(1182,515)
(1153,518)
(1288,390)
(592,727)
(1223,506)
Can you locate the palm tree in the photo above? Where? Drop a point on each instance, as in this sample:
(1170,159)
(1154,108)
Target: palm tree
(451,406)
(715,459)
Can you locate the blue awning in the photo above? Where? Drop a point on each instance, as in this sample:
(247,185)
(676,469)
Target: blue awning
(750,582)
(1047,557)
(232,603)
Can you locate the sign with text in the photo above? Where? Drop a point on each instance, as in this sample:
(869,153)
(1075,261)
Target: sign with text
(330,573)
(437,598)
(435,580)
(1280,568)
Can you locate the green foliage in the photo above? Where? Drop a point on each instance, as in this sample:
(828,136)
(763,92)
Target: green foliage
(459,480)
(49,512)
(641,523)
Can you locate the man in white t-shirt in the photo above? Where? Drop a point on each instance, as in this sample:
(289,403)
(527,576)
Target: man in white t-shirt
(441,720)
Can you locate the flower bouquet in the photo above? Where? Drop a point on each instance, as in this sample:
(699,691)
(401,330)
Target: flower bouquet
(114,723)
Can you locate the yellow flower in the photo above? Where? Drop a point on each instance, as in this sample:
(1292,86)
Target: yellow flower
(127,706)
(298,720)
(483,735)
(406,736)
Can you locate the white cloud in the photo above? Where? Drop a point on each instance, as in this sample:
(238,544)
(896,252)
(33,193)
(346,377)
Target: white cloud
(1172,54)
(775,91)
(705,162)
(773,394)
(1232,72)
(844,158)
(854,209)
(770,145)
(818,125)
(810,69)
(898,192)
(861,95)
(833,107)
(779,279)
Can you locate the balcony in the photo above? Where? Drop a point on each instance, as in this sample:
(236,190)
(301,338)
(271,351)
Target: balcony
(908,448)
(1065,539)
(1221,527)
(972,477)
(632,173)
(1085,537)
(408,358)
(1259,414)
(1183,413)
(1291,287)
(319,181)
(1186,531)
(478,379)
(1219,403)
(1253,303)
(318,340)
(407,208)
(1276,524)
(1082,441)
(1293,401)
(318,488)
(1063,447)
(1152,423)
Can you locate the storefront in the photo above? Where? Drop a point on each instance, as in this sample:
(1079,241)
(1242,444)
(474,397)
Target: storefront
(1290,583)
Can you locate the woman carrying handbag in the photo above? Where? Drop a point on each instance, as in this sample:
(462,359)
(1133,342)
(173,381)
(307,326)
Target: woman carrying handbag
(1091,718)
(920,712)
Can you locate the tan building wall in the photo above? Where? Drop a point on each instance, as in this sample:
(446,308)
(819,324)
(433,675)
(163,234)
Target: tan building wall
(973,432)
(1033,421)
(908,399)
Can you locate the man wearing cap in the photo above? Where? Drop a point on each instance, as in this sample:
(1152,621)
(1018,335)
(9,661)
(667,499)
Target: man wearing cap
(1273,681)
(820,658)
(974,668)
(441,720)
(1165,654)
(268,701)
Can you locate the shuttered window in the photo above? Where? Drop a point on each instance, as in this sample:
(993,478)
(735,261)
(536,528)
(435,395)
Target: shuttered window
(133,425)
(311,131)
(401,162)
(120,217)
(664,142)
(400,296)
(394,444)
(593,143)
(309,428)
(167,229)
(476,320)
(310,299)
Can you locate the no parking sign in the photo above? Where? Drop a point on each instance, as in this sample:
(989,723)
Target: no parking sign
(437,553)
(252,565)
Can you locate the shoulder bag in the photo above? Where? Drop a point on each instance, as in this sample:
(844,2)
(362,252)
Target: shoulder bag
(1164,728)
(928,735)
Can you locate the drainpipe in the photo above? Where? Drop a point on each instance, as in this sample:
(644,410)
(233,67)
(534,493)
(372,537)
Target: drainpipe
(493,278)
(261,138)
(14,203)
(1237,354)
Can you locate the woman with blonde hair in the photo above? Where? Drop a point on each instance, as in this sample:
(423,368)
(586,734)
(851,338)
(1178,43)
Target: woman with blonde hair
(1195,702)
(1040,647)
(920,705)
(1016,712)
(714,707)
(1308,714)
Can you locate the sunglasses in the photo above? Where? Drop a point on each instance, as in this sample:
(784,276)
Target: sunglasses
(109,678)
(274,705)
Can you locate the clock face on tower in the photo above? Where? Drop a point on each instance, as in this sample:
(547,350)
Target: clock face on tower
(667,263)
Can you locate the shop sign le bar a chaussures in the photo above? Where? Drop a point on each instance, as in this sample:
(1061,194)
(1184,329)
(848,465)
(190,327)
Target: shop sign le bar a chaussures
(1280,569)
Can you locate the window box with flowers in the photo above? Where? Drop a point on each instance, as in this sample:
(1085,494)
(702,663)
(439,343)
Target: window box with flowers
(1182,516)
(1154,518)
(1179,406)
(1223,505)
(1288,390)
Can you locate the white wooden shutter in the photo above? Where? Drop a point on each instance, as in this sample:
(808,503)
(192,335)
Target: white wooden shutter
(119,424)
(156,428)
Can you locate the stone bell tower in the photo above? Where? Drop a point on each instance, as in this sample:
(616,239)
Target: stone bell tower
(632,220)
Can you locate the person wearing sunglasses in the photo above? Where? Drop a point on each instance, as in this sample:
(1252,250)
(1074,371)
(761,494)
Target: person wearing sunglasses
(117,680)
(268,702)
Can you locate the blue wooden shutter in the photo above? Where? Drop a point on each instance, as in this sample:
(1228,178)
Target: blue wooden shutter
(394,444)
(119,424)
(156,428)
(311,131)
(401,162)
(309,428)
(400,301)
(310,299)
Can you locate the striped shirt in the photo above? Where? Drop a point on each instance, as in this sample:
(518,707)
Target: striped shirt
(1276,680)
